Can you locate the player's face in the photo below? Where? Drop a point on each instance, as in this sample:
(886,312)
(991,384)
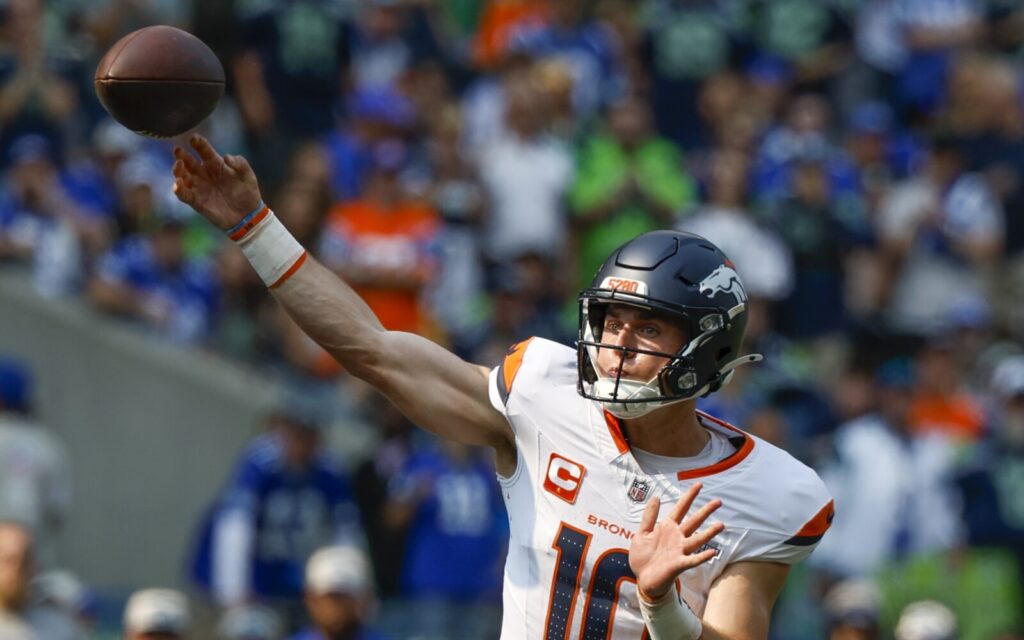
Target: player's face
(635,328)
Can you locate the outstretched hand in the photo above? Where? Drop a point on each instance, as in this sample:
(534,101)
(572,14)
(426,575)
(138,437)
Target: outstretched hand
(223,189)
(660,551)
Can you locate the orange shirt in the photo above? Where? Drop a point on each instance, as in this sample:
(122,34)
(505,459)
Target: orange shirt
(498,24)
(390,253)
(958,415)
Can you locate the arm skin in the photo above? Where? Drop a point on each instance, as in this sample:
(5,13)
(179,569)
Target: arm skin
(740,602)
(434,388)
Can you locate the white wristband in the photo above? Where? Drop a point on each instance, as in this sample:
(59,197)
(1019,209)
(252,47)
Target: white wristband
(272,251)
(669,618)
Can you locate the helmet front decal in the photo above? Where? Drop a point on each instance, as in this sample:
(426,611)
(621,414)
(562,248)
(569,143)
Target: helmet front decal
(723,279)
(626,285)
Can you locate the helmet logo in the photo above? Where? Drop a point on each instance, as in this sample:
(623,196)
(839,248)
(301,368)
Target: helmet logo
(626,285)
(724,278)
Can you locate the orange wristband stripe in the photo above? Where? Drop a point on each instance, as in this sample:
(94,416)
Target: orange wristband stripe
(250,225)
(291,270)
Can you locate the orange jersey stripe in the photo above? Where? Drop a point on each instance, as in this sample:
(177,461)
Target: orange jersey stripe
(819,524)
(615,429)
(510,367)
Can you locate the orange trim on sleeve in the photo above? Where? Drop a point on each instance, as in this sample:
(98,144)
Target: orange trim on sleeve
(291,270)
(510,366)
(819,524)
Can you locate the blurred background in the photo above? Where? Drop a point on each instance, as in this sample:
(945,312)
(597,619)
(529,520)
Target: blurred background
(168,435)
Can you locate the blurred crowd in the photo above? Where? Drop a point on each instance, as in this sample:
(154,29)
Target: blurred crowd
(467,164)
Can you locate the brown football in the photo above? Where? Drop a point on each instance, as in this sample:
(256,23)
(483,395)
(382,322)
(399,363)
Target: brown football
(159,81)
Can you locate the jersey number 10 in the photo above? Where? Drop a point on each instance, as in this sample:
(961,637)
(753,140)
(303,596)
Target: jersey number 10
(610,571)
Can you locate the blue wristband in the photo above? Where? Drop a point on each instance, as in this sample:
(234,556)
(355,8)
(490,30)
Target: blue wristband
(244,221)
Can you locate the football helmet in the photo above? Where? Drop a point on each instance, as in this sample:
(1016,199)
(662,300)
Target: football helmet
(687,279)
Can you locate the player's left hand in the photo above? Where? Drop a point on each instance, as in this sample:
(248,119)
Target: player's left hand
(661,551)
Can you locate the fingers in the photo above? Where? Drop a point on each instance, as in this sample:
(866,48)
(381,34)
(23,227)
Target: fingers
(187,160)
(650,516)
(205,150)
(680,508)
(704,536)
(698,517)
(183,192)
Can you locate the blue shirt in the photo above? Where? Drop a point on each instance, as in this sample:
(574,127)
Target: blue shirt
(293,513)
(457,540)
(191,290)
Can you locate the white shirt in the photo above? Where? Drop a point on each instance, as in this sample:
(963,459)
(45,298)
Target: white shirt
(526,181)
(763,261)
(35,486)
(882,482)
(931,277)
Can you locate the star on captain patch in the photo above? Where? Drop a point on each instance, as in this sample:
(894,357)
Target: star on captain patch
(638,492)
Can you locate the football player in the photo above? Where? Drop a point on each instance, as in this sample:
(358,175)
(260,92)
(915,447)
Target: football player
(589,442)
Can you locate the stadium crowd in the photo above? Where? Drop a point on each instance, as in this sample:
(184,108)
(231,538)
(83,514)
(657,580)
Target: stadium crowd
(466,165)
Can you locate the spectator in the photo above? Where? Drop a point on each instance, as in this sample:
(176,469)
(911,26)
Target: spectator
(35,484)
(249,622)
(931,35)
(371,483)
(287,496)
(853,610)
(459,198)
(822,226)
(685,43)
(151,280)
(289,73)
(37,88)
(339,595)
(893,489)
(628,181)
(940,232)
(926,620)
(384,244)
(880,152)
(586,47)
(160,613)
(19,619)
(385,45)
(941,403)
(40,220)
(455,550)
(526,175)
(375,115)
(762,260)
(993,514)
(810,37)
(525,301)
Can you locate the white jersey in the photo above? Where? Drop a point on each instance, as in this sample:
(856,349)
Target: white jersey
(577,496)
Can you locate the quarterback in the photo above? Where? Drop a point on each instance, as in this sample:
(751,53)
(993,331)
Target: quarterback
(632,514)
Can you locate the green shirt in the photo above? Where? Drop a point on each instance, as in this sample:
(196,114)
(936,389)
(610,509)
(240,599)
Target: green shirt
(603,167)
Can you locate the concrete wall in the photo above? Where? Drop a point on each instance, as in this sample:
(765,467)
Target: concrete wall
(151,430)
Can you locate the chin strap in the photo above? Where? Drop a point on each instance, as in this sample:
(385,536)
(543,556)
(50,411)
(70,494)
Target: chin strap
(724,375)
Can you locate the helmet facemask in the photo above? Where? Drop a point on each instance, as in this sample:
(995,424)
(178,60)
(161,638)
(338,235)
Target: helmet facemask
(678,380)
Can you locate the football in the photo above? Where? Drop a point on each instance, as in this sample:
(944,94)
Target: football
(159,81)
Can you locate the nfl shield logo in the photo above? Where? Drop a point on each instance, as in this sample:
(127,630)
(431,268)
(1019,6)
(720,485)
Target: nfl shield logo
(638,492)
